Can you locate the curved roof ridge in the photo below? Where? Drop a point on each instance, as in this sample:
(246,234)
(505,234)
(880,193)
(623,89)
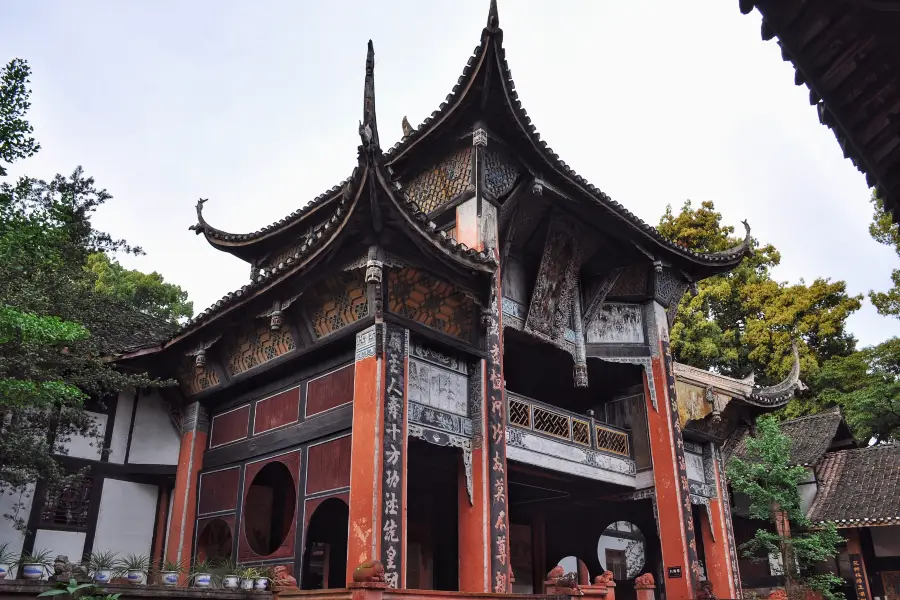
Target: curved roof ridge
(785,389)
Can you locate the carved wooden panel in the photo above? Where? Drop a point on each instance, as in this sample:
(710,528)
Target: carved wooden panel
(631,282)
(551,299)
(443,182)
(229,426)
(338,302)
(438,388)
(219,490)
(256,344)
(285,497)
(193,381)
(500,173)
(329,391)
(277,411)
(328,466)
(418,296)
(616,323)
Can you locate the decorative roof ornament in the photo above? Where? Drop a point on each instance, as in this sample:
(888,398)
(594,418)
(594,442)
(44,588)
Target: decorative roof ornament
(785,389)
(407,128)
(744,248)
(201,225)
(493,20)
(368,128)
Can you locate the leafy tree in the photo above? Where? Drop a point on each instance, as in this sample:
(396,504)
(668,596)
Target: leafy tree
(770,483)
(148,292)
(58,323)
(884,231)
(745,321)
(866,385)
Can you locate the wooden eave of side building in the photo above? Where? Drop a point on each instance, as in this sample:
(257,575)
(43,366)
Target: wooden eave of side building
(485,97)
(848,55)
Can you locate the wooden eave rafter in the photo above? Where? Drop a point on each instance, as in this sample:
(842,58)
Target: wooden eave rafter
(848,55)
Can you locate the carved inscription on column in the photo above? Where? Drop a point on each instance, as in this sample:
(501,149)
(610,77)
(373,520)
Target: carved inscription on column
(497,446)
(729,531)
(681,469)
(393,463)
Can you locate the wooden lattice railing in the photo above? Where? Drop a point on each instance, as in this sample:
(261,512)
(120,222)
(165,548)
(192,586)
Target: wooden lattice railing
(563,425)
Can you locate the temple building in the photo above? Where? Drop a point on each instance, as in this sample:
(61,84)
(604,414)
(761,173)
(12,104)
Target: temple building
(456,361)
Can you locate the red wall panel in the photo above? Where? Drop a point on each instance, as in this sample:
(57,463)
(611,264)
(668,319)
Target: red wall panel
(329,391)
(328,465)
(277,411)
(312,505)
(219,490)
(213,541)
(249,512)
(229,427)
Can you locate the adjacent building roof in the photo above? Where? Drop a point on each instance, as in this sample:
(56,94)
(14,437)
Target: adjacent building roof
(859,488)
(811,437)
(848,54)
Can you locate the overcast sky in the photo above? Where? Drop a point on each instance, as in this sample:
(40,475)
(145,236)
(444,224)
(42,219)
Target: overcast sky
(255,105)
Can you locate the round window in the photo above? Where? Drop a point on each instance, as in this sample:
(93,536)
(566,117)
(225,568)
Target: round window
(622,549)
(269,508)
(215,541)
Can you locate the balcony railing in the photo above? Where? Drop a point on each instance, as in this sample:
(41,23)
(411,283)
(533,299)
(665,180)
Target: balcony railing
(569,427)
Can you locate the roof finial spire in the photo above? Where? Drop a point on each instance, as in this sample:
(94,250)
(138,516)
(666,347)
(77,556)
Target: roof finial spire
(368,128)
(493,21)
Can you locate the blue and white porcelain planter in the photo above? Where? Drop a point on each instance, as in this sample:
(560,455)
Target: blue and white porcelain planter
(202,580)
(231,582)
(4,570)
(247,583)
(32,571)
(135,576)
(169,578)
(261,583)
(103,575)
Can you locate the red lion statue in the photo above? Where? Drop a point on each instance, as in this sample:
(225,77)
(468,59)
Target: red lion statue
(282,578)
(371,571)
(604,579)
(645,580)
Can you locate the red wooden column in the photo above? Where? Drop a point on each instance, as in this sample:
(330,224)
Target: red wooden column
(858,565)
(194,431)
(483,528)
(673,502)
(365,452)
(718,538)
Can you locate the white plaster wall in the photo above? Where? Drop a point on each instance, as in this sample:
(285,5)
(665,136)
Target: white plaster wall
(118,445)
(154,440)
(886,540)
(67,543)
(617,543)
(695,467)
(126,517)
(8,533)
(90,448)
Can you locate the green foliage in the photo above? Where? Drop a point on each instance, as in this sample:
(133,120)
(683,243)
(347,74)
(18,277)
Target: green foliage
(134,562)
(59,319)
(148,292)
(866,386)
(745,321)
(884,231)
(770,483)
(15,131)
(82,591)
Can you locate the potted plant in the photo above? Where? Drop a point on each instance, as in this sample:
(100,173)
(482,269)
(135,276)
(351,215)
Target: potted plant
(34,564)
(202,572)
(248,577)
(102,564)
(135,567)
(168,574)
(7,560)
(228,571)
(82,591)
(263,577)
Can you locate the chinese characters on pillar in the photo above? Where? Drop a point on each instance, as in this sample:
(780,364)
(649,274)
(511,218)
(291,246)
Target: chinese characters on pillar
(497,447)
(859,577)
(681,469)
(397,345)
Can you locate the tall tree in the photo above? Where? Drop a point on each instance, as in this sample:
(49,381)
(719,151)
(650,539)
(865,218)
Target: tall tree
(745,321)
(770,482)
(884,231)
(58,322)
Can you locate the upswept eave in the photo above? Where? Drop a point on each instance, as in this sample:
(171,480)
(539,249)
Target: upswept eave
(780,393)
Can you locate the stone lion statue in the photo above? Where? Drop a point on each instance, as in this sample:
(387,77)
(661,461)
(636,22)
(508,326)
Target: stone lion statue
(371,571)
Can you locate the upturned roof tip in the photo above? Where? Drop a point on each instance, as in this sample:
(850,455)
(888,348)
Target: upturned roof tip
(368,128)
(493,20)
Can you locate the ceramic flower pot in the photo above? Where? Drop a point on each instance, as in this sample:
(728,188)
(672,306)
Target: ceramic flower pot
(261,583)
(202,580)
(103,575)
(169,578)
(32,571)
(231,582)
(247,583)
(4,570)
(135,576)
